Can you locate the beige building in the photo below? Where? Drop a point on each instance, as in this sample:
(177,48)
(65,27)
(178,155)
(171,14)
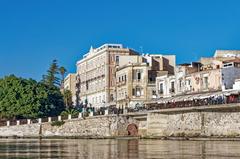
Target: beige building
(218,59)
(210,74)
(97,71)
(70,84)
(168,85)
(204,81)
(227,53)
(136,78)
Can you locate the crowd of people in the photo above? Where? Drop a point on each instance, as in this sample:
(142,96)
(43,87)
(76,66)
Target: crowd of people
(173,102)
(210,100)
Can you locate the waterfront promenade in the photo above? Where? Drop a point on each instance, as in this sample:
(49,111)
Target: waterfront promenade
(203,121)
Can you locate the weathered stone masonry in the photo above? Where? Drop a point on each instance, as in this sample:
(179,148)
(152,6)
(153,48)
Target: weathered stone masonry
(100,126)
(209,121)
(213,121)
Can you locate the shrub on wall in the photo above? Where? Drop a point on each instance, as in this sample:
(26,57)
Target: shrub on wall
(57,123)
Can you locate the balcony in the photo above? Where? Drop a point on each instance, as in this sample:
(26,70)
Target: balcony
(121,83)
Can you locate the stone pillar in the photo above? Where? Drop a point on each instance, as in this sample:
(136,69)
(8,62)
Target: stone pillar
(49,119)
(80,115)
(8,123)
(28,121)
(91,114)
(40,120)
(69,116)
(59,118)
(18,122)
(106,112)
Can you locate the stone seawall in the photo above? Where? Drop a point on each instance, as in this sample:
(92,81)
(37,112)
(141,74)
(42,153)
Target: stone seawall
(99,127)
(209,121)
(32,130)
(213,121)
(106,126)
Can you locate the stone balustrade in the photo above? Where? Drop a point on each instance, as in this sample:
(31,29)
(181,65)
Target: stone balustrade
(106,112)
(91,114)
(80,115)
(28,121)
(51,119)
(8,123)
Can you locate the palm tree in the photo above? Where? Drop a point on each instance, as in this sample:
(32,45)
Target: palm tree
(67,96)
(62,71)
(69,111)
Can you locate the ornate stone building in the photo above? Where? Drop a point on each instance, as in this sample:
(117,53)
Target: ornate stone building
(136,78)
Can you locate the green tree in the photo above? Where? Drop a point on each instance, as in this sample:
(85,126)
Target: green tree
(51,78)
(62,71)
(67,96)
(27,98)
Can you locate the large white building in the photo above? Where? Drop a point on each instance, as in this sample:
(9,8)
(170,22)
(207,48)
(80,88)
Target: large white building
(96,72)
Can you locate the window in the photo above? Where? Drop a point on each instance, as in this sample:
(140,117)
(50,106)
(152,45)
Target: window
(87,85)
(133,92)
(180,84)
(172,87)
(138,91)
(139,76)
(161,88)
(117,59)
(205,82)
(111,97)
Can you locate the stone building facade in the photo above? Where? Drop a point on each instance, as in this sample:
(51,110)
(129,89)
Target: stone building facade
(168,85)
(70,84)
(96,72)
(136,78)
(210,74)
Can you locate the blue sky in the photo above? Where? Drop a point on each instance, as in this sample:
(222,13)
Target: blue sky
(33,33)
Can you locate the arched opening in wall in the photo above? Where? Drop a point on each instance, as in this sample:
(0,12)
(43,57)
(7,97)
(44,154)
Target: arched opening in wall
(132,130)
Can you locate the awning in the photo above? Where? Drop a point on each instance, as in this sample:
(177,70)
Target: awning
(189,97)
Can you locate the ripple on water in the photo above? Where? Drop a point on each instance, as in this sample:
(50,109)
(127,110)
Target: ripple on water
(117,149)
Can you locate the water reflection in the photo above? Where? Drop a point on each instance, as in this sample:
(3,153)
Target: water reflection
(117,149)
